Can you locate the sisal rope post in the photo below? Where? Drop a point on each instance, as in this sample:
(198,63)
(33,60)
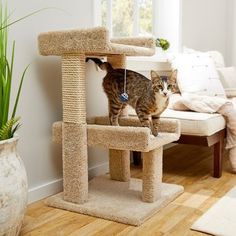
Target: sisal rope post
(73,88)
(119,160)
(152,175)
(74,140)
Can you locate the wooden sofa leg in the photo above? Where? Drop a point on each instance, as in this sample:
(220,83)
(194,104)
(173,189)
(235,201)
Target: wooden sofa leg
(218,158)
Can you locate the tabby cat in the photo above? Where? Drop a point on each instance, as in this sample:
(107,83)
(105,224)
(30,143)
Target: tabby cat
(149,98)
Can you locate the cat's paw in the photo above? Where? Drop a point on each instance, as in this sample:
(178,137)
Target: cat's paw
(155,132)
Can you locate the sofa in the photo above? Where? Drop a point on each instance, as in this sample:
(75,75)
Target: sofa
(204,129)
(199,129)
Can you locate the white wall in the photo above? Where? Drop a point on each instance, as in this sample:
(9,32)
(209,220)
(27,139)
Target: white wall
(40,103)
(231,32)
(167,17)
(204,25)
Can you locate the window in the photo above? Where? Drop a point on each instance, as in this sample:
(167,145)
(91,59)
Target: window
(127,17)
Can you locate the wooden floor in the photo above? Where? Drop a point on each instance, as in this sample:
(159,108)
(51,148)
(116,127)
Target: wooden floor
(187,165)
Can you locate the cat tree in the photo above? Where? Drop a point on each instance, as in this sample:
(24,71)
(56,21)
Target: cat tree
(76,132)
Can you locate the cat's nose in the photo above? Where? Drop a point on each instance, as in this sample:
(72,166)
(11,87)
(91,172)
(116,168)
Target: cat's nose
(165,93)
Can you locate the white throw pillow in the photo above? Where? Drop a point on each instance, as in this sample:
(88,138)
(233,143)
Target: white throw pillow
(197,74)
(228,80)
(176,104)
(230,93)
(216,56)
(227,76)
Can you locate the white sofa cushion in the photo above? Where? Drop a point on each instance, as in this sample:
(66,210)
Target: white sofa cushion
(196,123)
(197,74)
(228,80)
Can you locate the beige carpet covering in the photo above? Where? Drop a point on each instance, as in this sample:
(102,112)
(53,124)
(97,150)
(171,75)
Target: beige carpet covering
(118,201)
(93,41)
(220,219)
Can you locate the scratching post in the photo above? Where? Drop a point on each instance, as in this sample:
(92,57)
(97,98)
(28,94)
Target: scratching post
(119,164)
(107,198)
(75,167)
(119,160)
(73,89)
(152,175)
(117,61)
(75,163)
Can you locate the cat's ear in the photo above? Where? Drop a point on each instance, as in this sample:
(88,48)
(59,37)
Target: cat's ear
(154,75)
(173,76)
(173,81)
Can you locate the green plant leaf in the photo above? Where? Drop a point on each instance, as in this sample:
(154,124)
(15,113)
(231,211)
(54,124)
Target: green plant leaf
(19,91)
(7,130)
(28,15)
(7,93)
(15,129)
(8,127)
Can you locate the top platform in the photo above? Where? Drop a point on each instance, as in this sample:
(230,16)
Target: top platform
(94,41)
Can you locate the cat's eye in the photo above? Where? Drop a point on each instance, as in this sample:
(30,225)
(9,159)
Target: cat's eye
(169,86)
(159,86)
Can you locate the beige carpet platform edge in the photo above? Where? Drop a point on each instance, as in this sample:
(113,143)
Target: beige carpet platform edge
(128,136)
(93,41)
(118,201)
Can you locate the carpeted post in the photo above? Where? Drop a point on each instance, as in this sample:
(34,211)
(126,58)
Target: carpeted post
(152,175)
(119,160)
(119,165)
(74,140)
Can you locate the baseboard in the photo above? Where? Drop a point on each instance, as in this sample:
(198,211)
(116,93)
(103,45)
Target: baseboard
(98,170)
(55,186)
(44,190)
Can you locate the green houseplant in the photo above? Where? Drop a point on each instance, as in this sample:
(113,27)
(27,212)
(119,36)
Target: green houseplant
(8,124)
(13,179)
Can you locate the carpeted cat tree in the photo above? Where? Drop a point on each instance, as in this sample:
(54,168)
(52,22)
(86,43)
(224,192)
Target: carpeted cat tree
(119,197)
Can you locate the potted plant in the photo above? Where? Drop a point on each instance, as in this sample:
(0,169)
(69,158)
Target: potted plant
(13,179)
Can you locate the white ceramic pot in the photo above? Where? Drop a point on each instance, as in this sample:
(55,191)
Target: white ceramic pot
(13,188)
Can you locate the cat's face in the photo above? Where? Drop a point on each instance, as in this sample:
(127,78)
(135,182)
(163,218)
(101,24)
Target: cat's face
(164,85)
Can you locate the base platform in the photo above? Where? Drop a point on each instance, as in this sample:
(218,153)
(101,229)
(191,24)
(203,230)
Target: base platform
(118,201)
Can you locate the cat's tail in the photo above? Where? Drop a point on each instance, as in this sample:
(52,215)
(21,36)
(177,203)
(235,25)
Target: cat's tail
(103,65)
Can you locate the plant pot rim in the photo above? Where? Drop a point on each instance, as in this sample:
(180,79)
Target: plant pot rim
(10,140)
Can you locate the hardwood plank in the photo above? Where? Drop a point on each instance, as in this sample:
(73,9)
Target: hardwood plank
(44,218)
(110,231)
(63,225)
(92,228)
(183,164)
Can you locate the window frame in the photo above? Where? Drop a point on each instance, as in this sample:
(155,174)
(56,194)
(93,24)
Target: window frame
(161,11)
